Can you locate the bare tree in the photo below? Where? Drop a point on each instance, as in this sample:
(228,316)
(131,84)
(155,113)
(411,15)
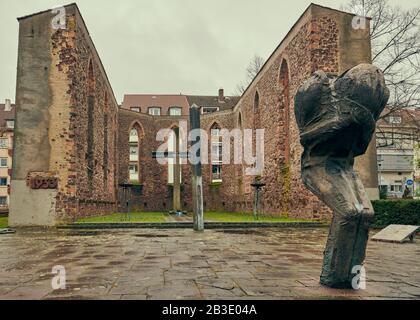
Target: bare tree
(395,35)
(252,70)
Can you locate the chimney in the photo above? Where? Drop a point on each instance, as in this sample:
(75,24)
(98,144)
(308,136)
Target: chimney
(8,105)
(221,95)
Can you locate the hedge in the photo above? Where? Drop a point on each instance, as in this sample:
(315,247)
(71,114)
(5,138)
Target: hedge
(387,212)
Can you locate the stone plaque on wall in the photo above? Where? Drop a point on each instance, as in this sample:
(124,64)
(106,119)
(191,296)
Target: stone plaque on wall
(41,183)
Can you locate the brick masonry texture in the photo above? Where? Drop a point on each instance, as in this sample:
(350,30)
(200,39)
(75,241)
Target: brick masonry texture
(88,133)
(76,59)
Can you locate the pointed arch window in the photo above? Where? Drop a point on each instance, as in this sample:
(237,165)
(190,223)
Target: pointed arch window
(134,165)
(256,101)
(134,145)
(285,86)
(90,125)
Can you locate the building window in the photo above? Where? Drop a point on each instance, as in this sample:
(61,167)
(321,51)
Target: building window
(136,109)
(396,188)
(134,152)
(134,146)
(216,154)
(3,162)
(171,158)
(3,181)
(134,136)
(154,111)
(206,110)
(3,201)
(134,172)
(395,120)
(10,124)
(175,111)
(4,143)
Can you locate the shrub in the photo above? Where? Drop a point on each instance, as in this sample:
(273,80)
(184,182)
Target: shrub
(387,212)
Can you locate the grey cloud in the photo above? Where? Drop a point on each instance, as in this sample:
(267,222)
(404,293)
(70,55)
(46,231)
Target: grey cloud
(168,46)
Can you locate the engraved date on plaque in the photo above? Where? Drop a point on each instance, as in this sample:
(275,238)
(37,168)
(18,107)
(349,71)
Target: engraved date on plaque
(39,183)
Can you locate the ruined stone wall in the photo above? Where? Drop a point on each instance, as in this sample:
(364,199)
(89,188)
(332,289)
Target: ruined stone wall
(95,192)
(320,40)
(220,196)
(52,124)
(153,193)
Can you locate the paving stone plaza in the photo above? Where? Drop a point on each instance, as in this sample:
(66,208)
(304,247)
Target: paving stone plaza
(183,265)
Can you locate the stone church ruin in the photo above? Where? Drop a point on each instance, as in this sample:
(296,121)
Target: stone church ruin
(73,139)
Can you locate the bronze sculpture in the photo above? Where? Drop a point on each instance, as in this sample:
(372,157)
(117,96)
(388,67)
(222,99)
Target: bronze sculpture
(337,117)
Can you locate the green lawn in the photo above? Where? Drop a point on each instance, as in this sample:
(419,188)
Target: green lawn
(3,222)
(159,217)
(244,217)
(121,217)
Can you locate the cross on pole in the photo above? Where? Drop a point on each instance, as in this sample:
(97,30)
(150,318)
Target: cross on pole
(197,181)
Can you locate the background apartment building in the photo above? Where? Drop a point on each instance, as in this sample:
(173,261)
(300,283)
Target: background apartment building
(7,124)
(398,139)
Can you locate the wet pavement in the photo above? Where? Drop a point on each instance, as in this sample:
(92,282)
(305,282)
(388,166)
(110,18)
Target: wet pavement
(181,264)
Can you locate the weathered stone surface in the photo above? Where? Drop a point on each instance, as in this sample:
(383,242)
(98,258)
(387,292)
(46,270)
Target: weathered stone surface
(26,273)
(396,233)
(337,119)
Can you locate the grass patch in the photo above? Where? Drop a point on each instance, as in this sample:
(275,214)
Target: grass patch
(245,217)
(122,218)
(159,217)
(3,222)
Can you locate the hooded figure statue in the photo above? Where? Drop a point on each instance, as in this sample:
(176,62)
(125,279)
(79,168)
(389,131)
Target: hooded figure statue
(337,118)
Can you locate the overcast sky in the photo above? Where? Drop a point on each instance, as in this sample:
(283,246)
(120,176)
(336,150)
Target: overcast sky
(168,46)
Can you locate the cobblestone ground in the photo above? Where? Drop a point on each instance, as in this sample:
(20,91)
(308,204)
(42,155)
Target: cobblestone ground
(180,264)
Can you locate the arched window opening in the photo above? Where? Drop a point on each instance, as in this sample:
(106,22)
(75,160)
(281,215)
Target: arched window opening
(105,148)
(285,87)
(134,144)
(216,153)
(256,100)
(284,81)
(90,125)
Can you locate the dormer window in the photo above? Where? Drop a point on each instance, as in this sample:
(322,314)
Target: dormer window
(206,110)
(154,111)
(135,109)
(175,111)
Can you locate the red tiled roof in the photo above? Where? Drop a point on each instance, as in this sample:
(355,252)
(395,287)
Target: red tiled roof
(213,101)
(146,101)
